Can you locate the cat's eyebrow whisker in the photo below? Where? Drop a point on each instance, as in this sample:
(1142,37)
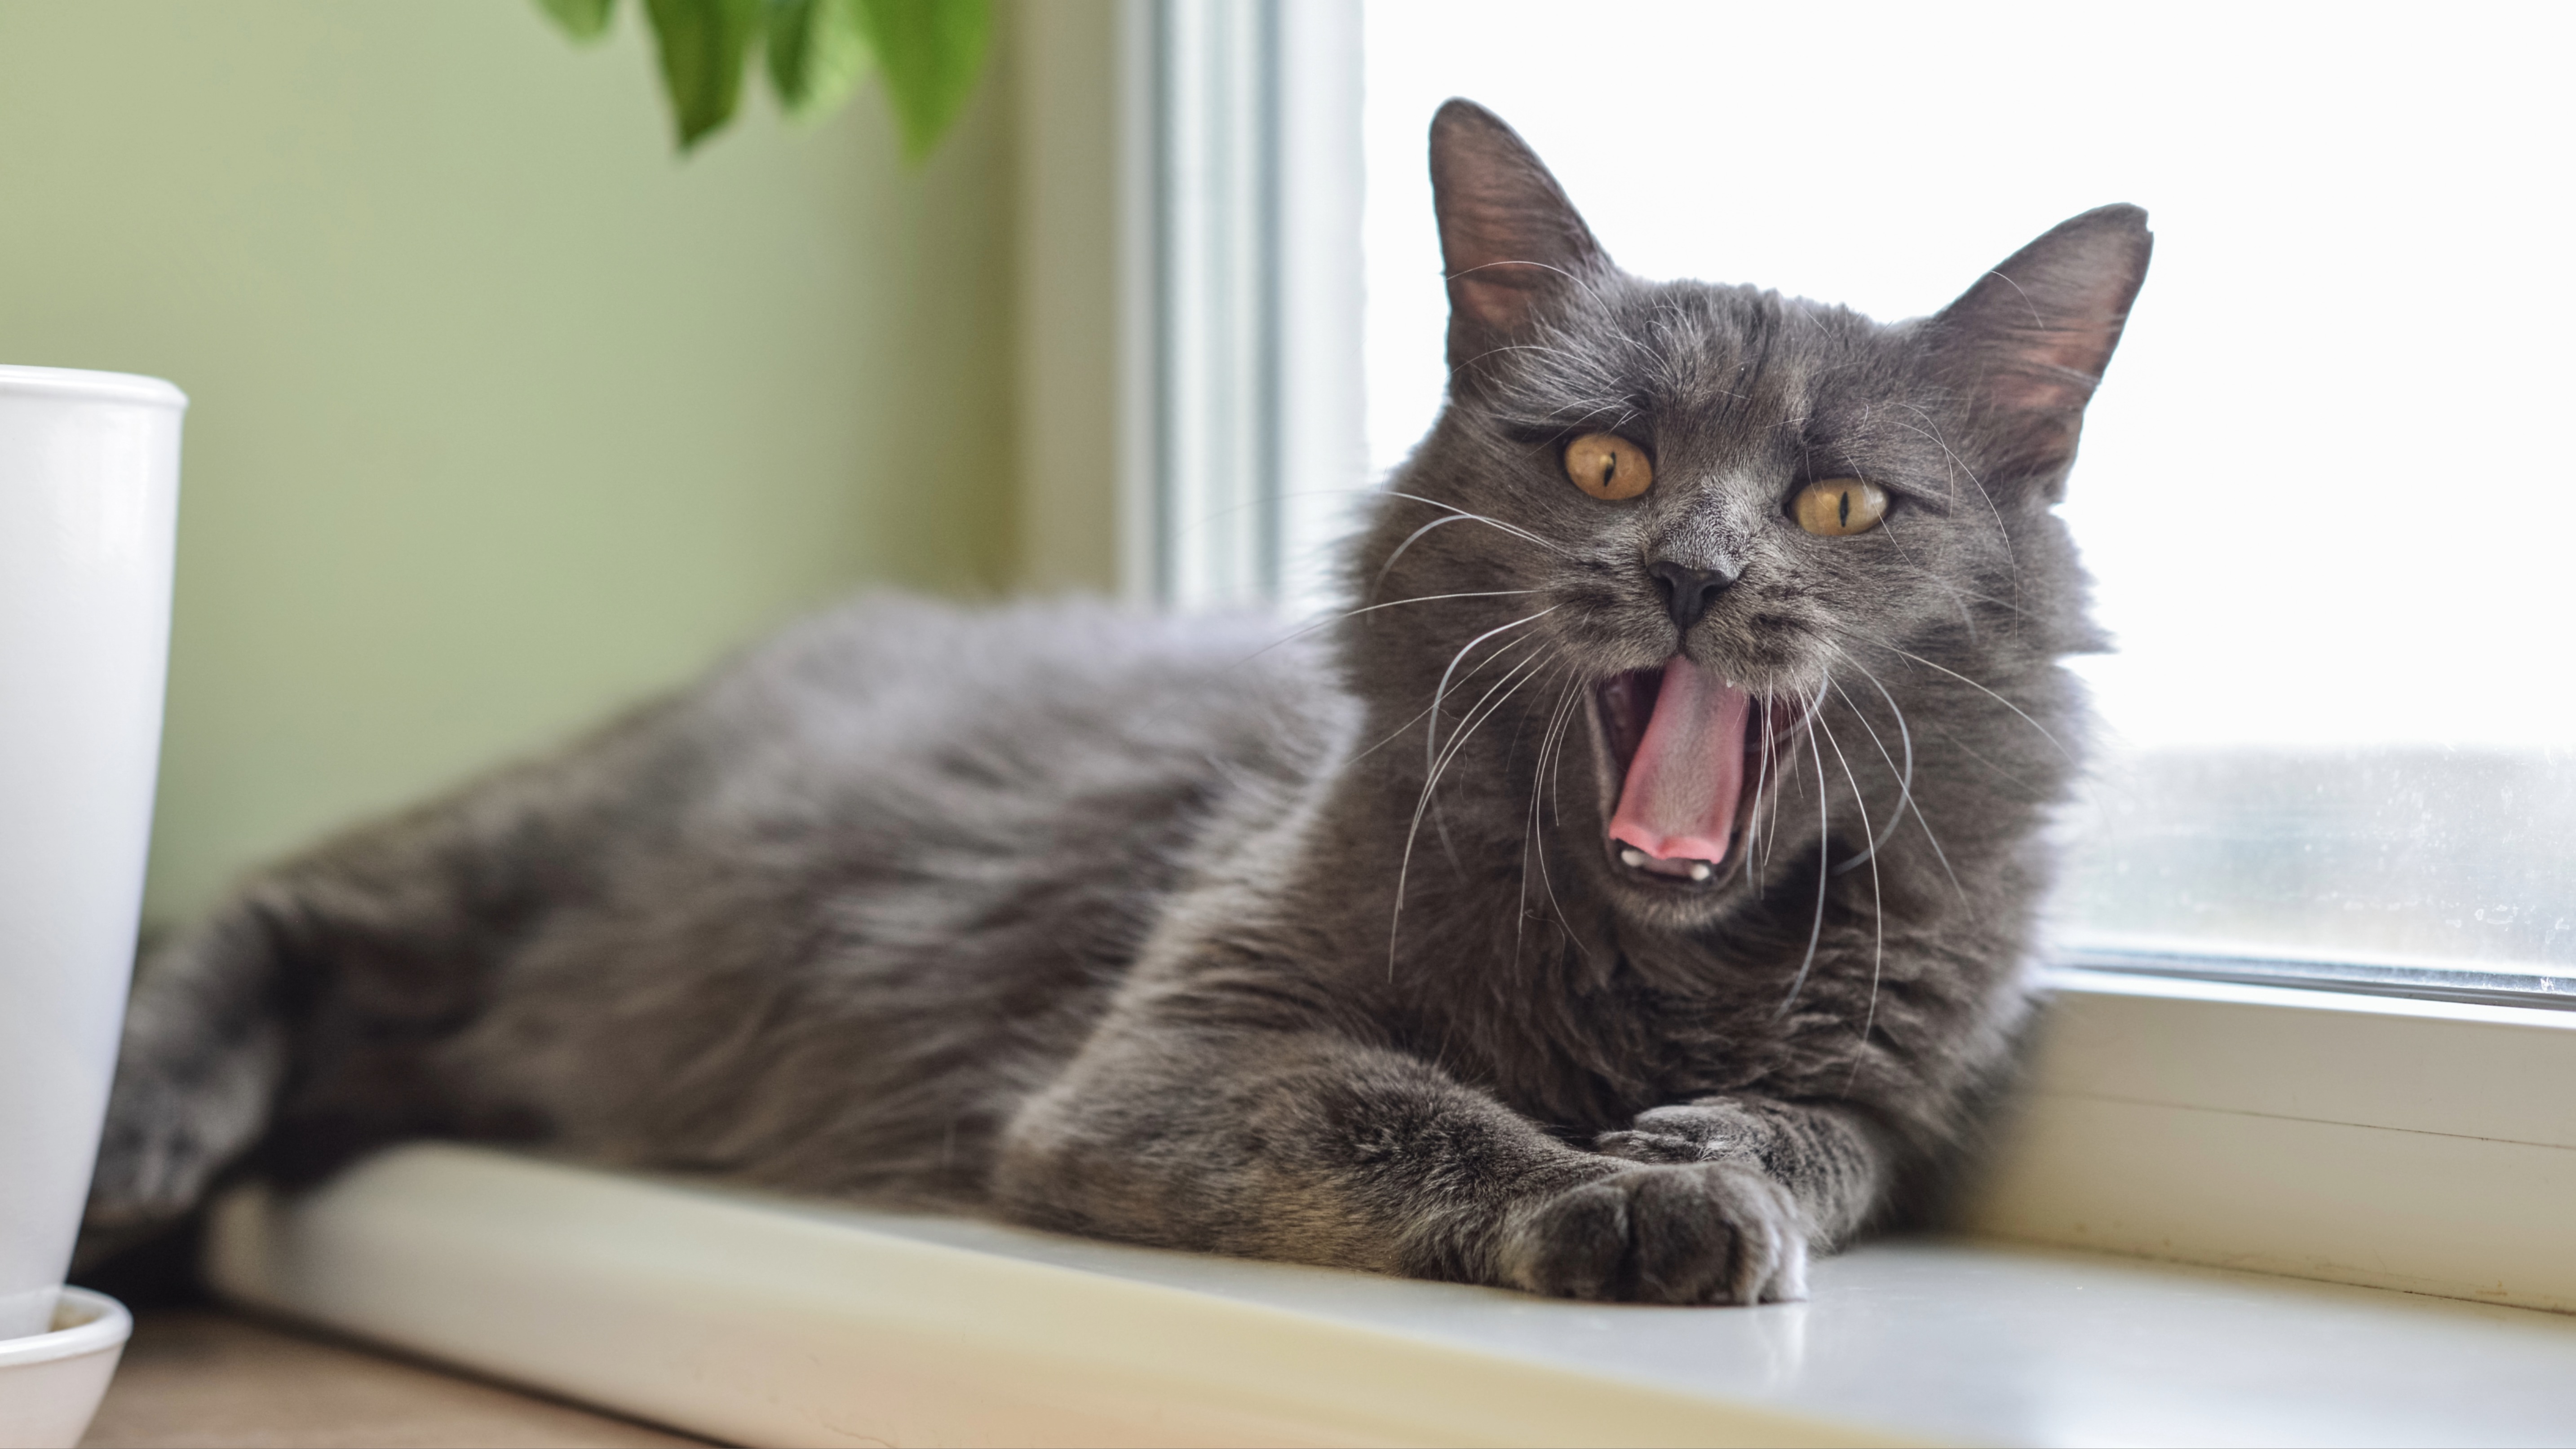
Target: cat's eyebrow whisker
(1541,348)
(1932,430)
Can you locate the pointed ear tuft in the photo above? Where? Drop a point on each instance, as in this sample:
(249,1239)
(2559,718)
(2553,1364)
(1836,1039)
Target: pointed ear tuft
(2027,344)
(1508,236)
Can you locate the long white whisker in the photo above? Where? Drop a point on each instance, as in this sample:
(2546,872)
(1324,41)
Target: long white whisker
(1906,733)
(1788,758)
(1564,720)
(1431,737)
(1330,620)
(1400,730)
(1894,708)
(1531,839)
(1380,581)
(1760,846)
(1404,867)
(1981,689)
(1513,529)
(1877,909)
(1824,875)
(1904,779)
(1529,660)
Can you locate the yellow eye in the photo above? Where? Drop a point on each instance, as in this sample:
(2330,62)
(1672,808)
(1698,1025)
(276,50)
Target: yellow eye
(1608,466)
(1838,506)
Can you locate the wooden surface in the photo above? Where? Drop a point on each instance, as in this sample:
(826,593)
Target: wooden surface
(213,1380)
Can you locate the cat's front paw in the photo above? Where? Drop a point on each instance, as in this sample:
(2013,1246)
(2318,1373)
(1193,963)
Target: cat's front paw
(1707,1232)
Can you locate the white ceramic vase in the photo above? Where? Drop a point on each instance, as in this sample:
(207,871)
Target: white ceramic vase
(89,496)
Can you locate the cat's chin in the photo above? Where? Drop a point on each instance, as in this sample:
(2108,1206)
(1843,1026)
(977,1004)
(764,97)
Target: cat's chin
(1678,866)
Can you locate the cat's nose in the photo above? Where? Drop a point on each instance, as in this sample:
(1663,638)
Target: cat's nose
(1688,592)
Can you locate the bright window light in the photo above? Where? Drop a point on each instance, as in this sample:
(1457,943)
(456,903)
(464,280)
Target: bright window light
(2320,491)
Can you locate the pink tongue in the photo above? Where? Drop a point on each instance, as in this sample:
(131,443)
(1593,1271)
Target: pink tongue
(1679,801)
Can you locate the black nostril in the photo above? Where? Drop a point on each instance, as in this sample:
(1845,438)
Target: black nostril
(1688,592)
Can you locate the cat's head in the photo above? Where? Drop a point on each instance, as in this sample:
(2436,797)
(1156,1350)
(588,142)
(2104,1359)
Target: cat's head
(1700,519)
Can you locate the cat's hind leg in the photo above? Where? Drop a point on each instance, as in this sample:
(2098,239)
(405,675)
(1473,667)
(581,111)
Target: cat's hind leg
(304,1018)
(203,1057)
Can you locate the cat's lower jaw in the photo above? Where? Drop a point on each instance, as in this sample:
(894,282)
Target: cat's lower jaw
(1698,1233)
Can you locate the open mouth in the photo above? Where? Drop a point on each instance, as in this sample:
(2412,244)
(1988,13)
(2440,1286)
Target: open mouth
(1686,749)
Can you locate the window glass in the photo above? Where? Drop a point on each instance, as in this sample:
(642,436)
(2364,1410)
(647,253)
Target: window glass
(2322,491)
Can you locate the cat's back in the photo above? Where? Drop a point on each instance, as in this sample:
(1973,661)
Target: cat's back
(906,848)
(971,724)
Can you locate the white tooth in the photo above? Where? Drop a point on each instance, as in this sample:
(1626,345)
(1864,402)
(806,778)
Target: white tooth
(1633,856)
(1700,870)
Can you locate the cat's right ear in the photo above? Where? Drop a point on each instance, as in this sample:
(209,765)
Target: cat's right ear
(1508,236)
(2027,344)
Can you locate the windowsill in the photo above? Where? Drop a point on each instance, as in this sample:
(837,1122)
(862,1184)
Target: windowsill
(2359,1139)
(762,1321)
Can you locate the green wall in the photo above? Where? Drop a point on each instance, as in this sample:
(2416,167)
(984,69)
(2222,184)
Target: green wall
(503,414)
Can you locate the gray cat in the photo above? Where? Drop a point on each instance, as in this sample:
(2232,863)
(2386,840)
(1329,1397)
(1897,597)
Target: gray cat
(1632,895)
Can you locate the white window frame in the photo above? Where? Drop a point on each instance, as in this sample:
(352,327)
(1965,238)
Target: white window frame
(1244,194)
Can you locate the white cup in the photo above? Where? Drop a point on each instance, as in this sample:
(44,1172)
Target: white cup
(89,499)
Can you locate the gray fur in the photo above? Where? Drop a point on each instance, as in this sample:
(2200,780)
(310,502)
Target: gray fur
(1171,932)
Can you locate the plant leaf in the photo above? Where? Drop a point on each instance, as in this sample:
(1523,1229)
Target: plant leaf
(580,19)
(818,53)
(931,51)
(704,44)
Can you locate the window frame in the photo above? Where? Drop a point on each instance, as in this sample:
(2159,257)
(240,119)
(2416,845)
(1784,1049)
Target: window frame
(2184,1104)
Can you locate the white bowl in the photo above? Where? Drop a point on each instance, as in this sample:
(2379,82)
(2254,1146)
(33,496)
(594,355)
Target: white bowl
(50,1383)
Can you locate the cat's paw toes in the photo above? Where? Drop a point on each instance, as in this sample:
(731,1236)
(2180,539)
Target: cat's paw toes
(1701,1233)
(1640,1146)
(144,1176)
(161,1145)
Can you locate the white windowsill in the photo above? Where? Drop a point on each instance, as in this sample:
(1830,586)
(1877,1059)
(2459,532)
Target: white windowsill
(764,1321)
(2416,1145)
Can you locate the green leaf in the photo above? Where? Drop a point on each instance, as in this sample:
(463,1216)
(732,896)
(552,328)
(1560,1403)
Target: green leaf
(580,19)
(931,52)
(817,54)
(704,44)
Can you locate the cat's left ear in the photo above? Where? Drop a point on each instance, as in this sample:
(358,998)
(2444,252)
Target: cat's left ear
(2026,346)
